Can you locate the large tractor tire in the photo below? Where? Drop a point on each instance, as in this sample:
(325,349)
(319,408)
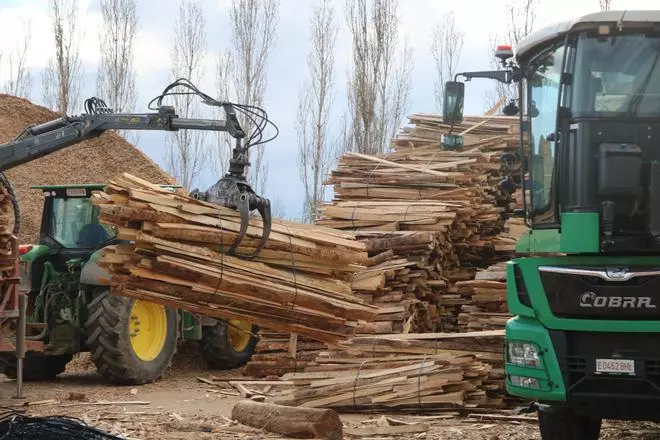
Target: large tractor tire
(132,342)
(228,346)
(36,366)
(564,424)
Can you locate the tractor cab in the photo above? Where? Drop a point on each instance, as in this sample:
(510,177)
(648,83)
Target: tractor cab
(70,226)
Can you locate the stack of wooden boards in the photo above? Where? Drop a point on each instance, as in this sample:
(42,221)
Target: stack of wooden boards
(432,220)
(440,211)
(7,221)
(403,372)
(300,282)
(485,307)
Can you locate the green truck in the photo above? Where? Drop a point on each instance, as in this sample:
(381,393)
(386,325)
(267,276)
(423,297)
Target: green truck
(583,344)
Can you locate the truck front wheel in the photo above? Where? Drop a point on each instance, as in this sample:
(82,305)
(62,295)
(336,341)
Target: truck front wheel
(565,424)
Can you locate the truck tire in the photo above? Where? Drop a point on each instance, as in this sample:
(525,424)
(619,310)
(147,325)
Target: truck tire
(132,342)
(36,366)
(565,424)
(225,347)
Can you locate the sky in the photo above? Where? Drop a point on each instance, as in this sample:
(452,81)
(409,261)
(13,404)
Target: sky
(286,65)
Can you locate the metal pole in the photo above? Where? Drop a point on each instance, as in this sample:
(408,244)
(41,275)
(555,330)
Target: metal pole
(20,343)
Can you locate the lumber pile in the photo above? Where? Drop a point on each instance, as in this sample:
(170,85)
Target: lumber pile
(7,221)
(486,300)
(403,372)
(439,211)
(279,353)
(178,257)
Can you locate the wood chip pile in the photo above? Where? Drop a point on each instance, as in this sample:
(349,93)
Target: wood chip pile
(300,282)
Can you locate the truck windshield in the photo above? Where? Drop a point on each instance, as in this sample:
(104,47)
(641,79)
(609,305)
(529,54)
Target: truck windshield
(74,224)
(617,76)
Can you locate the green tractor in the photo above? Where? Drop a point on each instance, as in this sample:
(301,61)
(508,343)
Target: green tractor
(71,310)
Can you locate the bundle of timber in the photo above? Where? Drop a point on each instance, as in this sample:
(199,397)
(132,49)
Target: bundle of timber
(487,300)
(404,372)
(7,223)
(300,282)
(439,211)
(280,353)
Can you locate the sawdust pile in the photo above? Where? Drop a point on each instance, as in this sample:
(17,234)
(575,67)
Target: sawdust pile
(92,161)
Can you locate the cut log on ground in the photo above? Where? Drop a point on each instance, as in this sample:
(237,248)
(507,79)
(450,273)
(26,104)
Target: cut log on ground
(289,421)
(178,257)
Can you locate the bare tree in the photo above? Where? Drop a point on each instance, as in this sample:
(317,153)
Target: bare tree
(315,148)
(446,48)
(116,74)
(253,28)
(221,154)
(61,78)
(20,79)
(187,153)
(521,17)
(379,84)
(604,4)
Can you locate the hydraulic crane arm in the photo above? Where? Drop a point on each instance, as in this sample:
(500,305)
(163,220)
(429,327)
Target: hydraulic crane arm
(39,140)
(231,191)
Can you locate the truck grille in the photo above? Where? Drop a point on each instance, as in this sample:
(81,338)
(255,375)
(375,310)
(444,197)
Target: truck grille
(597,293)
(577,353)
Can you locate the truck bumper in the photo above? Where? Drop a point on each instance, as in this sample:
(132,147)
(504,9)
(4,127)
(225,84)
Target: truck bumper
(563,373)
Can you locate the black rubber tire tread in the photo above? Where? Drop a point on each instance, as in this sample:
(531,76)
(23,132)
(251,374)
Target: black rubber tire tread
(564,424)
(218,352)
(108,341)
(36,366)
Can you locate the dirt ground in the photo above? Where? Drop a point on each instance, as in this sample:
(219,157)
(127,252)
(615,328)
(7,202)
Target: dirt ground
(181,406)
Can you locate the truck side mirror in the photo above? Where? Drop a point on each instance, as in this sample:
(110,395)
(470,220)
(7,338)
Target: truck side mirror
(452,104)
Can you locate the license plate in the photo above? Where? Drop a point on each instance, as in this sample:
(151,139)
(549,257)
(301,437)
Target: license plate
(615,366)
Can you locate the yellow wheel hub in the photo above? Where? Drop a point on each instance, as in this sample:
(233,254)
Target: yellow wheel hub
(239,333)
(147,329)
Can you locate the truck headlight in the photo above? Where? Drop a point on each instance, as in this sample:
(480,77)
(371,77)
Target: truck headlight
(525,382)
(523,354)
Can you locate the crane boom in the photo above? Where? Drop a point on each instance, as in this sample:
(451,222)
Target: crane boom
(231,191)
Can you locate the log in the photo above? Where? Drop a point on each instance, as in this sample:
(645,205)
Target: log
(289,421)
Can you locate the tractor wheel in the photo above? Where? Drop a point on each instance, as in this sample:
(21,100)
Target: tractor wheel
(36,366)
(565,424)
(132,342)
(227,346)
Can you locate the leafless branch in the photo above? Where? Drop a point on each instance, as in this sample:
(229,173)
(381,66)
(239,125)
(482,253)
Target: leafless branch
(61,79)
(521,17)
(187,152)
(224,91)
(116,73)
(254,26)
(604,4)
(446,48)
(20,79)
(315,148)
(379,83)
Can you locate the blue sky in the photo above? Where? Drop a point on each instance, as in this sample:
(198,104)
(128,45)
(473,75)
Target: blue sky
(287,63)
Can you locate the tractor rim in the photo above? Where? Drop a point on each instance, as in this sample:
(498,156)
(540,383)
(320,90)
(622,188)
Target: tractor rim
(239,333)
(147,329)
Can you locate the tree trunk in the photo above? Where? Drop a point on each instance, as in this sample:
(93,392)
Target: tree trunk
(289,420)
